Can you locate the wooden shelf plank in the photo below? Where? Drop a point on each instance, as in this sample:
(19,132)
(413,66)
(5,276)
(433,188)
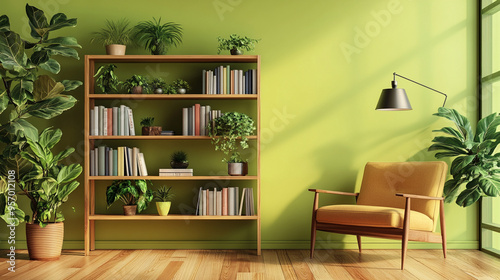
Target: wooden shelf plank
(157,137)
(174,178)
(169,217)
(173,58)
(173,96)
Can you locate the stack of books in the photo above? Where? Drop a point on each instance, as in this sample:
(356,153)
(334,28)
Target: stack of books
(121,161)
(225,202)
(196,118)
(223,80)
(112,121)
(176,172)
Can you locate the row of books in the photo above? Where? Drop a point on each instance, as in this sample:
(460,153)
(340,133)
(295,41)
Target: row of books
(225,202)
(196,118)
(122,161)
(112,121)
(223,80)
(175,172)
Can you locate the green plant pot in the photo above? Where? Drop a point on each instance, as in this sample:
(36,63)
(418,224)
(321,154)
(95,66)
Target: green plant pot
(163,207)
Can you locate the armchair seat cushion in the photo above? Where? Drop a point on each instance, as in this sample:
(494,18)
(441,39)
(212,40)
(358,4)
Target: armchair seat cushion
(372,216)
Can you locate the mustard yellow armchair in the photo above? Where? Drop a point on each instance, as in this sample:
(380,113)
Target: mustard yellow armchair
(398,200)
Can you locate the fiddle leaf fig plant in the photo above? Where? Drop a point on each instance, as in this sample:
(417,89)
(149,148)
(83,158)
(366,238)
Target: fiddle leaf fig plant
(229,130)
(475,164)
(26,93)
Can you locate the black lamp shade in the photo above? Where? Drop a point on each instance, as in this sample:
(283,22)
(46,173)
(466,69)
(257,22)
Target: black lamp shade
(393,99)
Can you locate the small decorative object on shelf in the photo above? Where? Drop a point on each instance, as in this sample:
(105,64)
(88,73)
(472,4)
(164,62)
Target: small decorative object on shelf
(235,44)
(157,38)
(115,36)
(164,200)
(107,80)
(135,194)
(179,160)
(226,131)
(158,85)
(148,128)
(137,84)
(180,86)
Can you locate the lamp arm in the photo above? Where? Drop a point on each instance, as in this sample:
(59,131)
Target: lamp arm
(445,96)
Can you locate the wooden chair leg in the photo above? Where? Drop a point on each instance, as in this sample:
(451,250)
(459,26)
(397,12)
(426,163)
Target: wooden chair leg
(443,227)
(313,223)
(406,229)
(358,237)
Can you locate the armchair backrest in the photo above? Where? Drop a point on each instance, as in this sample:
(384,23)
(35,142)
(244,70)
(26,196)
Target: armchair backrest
(382,180)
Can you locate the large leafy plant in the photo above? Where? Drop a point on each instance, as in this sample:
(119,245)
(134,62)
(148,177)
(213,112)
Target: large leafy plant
(476,165)
(229,129)
(130,192)
(25,93)
(107,80)
(48,183)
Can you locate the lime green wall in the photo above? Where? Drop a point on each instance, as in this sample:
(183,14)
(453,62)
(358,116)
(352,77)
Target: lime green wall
(324,64)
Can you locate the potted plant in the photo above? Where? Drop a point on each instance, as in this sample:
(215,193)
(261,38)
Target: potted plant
(475,164)
(115,36)
(137,84)
(26,156)
(148,128)
(164,200)
(179,160)
(156,37)
(235,44)
(159,86)
(180,86)
(226,131)
(107,80)
(133,193)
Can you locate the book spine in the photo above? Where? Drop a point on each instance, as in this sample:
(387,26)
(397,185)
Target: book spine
(211,203)
(122,120)
(219,203)
(96,120)
(197,119)
(190,121)
(129,156)
(224,80)
(231,201)
(228,79)
(110,121)
(104,121)
(131,122)
(135,154)
(236,200)
(203,115)
(203,80)
(92,165)
(224,202)
(254,81)
(101,161)
(110,162)
(115,120)
(115,162)
(142,164)
(197,212)
(100,121)
(185,120)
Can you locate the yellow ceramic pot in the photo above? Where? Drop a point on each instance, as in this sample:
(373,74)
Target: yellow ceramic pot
(163,207)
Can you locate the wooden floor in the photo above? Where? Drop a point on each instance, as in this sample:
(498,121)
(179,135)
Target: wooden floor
(241,264)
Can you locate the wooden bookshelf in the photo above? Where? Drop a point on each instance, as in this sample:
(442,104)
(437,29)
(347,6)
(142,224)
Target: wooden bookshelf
(92,98)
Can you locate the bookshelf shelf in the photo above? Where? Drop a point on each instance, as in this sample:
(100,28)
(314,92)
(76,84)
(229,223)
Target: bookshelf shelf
(169,217)
(249,102)
(159,137)
(174,96)
(174,178)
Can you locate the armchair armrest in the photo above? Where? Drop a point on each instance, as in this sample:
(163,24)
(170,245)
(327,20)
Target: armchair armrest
(333,192)
(406,195)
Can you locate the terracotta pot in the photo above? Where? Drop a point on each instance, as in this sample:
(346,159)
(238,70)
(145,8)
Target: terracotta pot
(237,168)
(136,90)
(151,130)
(45,244)
(115,49)
(179,165)
(163,207)
(129,210)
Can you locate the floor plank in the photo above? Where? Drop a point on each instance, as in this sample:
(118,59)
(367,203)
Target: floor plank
(244,264)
